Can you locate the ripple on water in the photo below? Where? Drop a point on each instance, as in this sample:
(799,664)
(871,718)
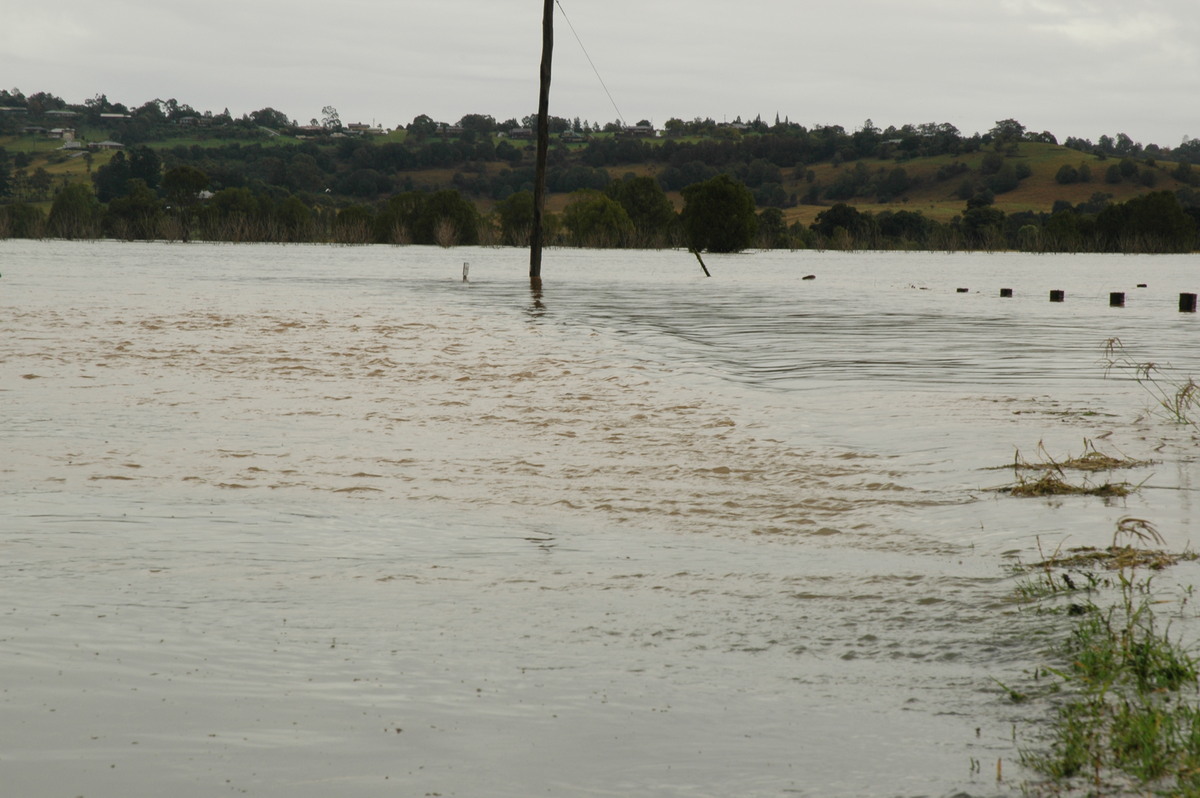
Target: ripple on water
(279,529)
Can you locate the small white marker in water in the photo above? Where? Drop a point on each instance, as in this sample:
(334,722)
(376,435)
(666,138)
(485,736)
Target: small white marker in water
(466,268)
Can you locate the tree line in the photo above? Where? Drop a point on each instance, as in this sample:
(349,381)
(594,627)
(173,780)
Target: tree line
(353,189)
(719,215)
(1156,222)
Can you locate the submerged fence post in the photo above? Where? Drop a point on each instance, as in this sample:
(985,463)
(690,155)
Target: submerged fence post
(1058,296)
(1187,303)
(1116,299)
(1006,293)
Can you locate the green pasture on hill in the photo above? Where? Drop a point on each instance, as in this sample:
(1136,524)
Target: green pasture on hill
(937,197)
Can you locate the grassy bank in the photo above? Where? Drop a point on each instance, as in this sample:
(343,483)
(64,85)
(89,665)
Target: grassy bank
(1120,689)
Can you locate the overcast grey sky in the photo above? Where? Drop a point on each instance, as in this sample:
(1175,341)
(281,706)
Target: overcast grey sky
(1074,67)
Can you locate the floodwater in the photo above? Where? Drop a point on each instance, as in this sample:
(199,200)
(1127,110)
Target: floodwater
(313,521)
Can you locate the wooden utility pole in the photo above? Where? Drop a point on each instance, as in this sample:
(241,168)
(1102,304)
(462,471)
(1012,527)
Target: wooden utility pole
(543,146)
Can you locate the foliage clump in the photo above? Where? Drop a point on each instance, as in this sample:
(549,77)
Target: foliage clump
(1126,703)
(1051,479)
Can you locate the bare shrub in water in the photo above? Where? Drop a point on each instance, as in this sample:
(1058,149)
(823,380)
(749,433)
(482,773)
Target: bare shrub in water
(445,233)
(352,232)
(398,234)
(1177,396)
(170,228)
(1052,478)
(489,234)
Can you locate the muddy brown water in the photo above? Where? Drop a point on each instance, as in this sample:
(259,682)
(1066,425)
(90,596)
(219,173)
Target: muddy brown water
(310,521)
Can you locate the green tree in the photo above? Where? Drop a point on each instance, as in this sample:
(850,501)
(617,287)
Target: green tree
(270,118)
(136,215)
(354,225)
(991,164)
(1154,222)
(145,165)
(111,178)
(1007,131)
(446,219)
(718,215)
(395,222)
(330,119)
(294,219)
(76,213)
(1061,232)
(904,226)
(1066,174)
(5,173)
(364,183)
(304,174)
(422,127)
(480,124)
(1029,238)
(1003,181)
(22,220)
(892,186)
(840,217)
(983,227)
(183,185)
(647,205)
(233,214)
(516,218)
(507,152)
(772,229)
(596,220)
(1183,172)
(39,183)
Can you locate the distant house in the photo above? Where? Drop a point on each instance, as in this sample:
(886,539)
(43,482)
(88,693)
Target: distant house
(116,116)
(34,130)
(61,114)
(64,133)
(571,137)
(364,129)
(17,109)
(521,133)
(639,131)
(105,145)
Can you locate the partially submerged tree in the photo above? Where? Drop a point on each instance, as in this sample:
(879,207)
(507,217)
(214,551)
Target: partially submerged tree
(718,215)
(76,213)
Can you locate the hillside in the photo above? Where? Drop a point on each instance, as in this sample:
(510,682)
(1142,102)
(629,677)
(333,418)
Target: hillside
(934,196)
(930,172)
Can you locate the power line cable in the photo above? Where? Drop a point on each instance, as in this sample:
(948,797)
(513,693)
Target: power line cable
(593,65)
